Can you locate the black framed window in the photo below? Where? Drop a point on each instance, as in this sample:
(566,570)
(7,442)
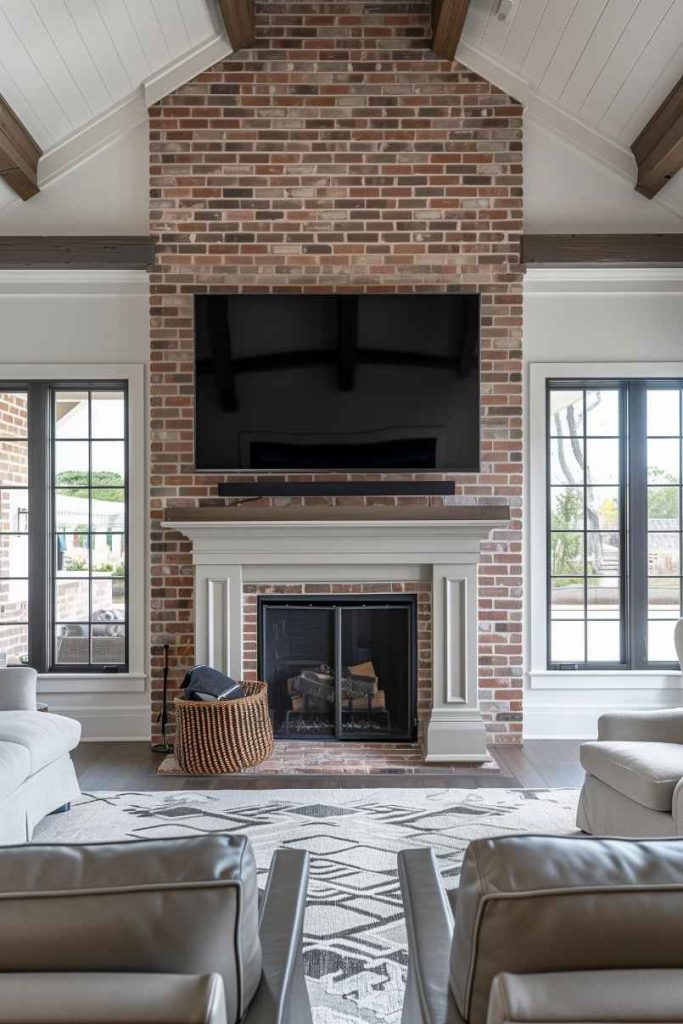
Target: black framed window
(64,525)
(614,530)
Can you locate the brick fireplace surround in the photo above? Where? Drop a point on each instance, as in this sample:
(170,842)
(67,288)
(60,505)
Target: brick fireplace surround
(340,154)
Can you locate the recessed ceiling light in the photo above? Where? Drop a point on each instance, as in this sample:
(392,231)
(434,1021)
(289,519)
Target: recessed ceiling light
(504,9)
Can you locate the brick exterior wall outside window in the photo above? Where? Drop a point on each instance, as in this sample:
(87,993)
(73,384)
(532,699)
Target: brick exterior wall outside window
(340,154)
(14,473)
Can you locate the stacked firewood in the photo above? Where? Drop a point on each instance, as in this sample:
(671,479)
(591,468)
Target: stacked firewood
(313,689)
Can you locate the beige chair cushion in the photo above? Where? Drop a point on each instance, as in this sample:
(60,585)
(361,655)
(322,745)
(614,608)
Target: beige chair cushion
(645,772)
(535,904)
(15,766)
(613,997)
(173,906)
(45,737)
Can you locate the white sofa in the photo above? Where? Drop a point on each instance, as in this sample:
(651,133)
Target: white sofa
(36,772)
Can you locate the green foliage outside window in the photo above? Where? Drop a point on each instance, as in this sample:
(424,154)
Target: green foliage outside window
(104,478)
(566,547)
(662,502)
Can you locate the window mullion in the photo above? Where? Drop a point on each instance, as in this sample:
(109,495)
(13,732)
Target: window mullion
(39,569)
(637,573)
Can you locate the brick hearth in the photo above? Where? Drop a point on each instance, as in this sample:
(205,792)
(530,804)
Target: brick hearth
(340,154)
(306,757)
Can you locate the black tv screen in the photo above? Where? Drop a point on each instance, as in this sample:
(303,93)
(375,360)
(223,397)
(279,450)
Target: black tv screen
(337,382)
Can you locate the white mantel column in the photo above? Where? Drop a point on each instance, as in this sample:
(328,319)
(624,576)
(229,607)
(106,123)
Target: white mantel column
(455,731)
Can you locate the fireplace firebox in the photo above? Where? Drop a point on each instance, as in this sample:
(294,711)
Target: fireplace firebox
(340,667)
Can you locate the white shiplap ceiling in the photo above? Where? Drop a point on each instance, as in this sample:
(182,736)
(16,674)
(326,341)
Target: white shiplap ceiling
(77,72)
(594,71)
(64,62)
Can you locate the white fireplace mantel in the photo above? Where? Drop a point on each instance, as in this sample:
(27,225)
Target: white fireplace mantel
(227,553)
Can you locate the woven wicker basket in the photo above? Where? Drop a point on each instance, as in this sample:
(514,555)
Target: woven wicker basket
(219,736)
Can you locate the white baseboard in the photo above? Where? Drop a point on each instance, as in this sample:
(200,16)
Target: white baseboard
(101,724)
(571,723)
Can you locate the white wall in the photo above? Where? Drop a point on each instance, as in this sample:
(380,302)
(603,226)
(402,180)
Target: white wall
(59,322)
(604,322)
(566,191)
(105,193)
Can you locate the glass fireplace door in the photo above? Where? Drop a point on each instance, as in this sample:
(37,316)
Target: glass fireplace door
(297,663)
(339,668)
(374,663)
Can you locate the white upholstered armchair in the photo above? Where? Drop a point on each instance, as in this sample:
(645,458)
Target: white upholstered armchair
(634,775)
(634,772)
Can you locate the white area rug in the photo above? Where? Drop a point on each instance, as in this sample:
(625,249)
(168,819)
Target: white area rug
(355,944)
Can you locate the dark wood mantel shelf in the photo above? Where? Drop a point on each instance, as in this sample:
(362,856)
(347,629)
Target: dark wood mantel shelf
(337,514)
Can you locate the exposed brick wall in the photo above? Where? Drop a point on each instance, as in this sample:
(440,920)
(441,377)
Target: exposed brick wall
(339,153)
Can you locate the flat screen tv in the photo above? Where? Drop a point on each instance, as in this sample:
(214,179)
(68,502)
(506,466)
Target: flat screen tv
(365,383)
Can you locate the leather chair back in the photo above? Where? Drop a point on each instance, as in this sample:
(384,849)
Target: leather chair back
(173,906)
(536,904)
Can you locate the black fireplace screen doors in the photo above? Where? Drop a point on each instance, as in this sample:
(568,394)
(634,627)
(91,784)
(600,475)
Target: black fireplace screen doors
(342,668)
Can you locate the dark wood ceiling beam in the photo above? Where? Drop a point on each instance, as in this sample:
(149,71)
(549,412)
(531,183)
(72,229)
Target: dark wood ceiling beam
(74,252)
(19,154)
(448,20)
(602,250)
(240,25)
(659,147)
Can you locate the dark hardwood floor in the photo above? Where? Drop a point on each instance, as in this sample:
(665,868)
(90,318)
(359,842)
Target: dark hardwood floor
(538,764)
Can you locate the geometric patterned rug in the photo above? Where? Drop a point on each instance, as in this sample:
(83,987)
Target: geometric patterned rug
(355,950)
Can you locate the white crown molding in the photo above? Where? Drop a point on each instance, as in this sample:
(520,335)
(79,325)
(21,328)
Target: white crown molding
(107,128)
(599,146)
(92,138)
(596,280)
(73,282)
(607,151)
(187,67)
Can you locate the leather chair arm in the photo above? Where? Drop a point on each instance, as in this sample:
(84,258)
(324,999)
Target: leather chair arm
(282,997)
(579,997)
(429,923)
(664,726)
(112,998)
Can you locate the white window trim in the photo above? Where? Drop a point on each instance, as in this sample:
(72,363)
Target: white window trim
(135,679)
(539,677)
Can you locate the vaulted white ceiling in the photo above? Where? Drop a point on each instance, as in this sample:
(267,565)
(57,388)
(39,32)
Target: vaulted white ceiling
(593,71)
(64,62)
(76,72)
(79,72)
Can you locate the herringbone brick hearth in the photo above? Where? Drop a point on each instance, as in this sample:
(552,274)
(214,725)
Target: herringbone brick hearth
(307,757)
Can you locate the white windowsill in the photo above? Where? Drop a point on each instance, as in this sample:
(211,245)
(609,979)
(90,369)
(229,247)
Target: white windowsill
(96,682)
(611,679)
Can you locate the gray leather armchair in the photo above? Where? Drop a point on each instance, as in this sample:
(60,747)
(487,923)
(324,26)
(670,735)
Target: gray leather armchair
(157,932)
(546,929)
